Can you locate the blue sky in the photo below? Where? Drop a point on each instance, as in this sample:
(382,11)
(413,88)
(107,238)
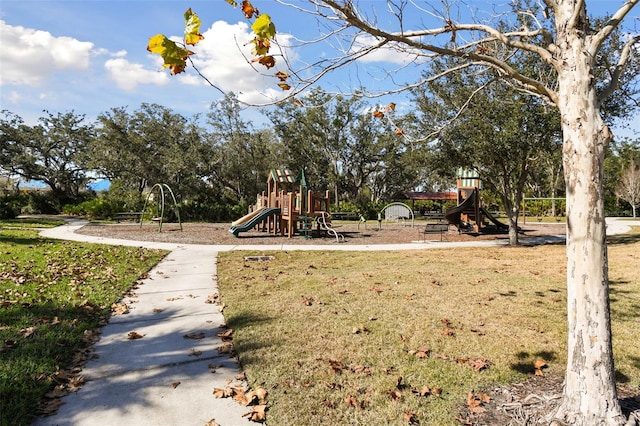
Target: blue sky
(90,55)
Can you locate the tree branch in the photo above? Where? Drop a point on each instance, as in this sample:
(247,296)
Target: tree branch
(619,68)
(611,25)
(350,16)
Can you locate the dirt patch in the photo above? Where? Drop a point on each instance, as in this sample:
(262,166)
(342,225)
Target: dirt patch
(218,234)
(535,402)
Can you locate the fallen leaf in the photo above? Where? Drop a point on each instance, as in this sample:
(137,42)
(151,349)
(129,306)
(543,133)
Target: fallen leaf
(195,336)
(352,401)
(194,352)
(175,384)
(410,418)
(257,413)
(134,335)
(425,391)
(225,335)
(211,422)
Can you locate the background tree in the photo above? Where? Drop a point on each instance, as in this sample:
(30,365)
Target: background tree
(53,152)
(335,141)
(628,187)
(484,125)
(151,145)
(241,156)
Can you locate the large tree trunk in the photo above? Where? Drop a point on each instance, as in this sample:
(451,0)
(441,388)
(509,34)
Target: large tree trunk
(589,396)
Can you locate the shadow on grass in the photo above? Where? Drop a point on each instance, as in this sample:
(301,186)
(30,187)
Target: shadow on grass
(527,360)
(623,239)
(7,238)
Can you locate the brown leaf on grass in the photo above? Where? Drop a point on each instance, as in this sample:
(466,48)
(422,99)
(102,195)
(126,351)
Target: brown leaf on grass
(436,391)
(425,391)
(395,394)
(241,377)
(133,335)
(448,332)
(352,401)
(26,332)
(410,418)
(478,364)
(360,329)
(423,352)
(464,422)
(257,414)
(195,336)
(307,300)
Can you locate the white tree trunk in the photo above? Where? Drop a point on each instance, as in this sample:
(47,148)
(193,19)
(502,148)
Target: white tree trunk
(589,396)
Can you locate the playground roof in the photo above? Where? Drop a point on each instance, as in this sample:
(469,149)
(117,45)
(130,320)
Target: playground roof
(282,176)
(433,196)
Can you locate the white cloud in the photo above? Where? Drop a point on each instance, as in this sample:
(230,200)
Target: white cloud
(30,56)
(223,58)
(387,53)
(128,75)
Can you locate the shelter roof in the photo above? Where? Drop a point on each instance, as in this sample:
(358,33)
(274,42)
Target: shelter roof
(433,196)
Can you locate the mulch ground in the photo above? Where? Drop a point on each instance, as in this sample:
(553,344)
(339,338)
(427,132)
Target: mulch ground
(218,234)
(531,402)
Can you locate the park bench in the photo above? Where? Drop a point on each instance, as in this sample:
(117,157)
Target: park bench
(436,228)
(127,216)
(345,216)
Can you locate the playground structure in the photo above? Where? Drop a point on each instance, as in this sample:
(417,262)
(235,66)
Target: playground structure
(469,215)
(163,192)
(288,207)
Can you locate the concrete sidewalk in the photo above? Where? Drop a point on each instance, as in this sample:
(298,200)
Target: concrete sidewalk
(162,378)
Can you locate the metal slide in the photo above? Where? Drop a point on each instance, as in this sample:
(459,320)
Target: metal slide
(248,222)
(501,226)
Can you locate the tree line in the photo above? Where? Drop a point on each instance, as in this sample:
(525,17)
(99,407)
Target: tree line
(216,164)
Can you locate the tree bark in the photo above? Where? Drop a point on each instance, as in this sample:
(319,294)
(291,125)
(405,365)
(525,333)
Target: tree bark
(589,396)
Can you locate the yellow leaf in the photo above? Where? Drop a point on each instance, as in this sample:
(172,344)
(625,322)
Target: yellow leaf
(173,55)
(284,86)
(232,2)
(192,28)
(263,27)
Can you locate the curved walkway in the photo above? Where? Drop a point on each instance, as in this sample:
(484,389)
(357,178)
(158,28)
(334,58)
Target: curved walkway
(165,378)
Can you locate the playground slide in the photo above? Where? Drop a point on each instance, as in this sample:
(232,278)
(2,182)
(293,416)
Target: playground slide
(247,222)
(453,214)
(499,225)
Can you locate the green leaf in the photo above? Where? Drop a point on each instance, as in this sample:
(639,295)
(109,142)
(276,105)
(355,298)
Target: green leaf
(263,27)
(192,28)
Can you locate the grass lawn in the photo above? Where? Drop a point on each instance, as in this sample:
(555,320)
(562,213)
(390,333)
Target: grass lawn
(53,296)
(385,338)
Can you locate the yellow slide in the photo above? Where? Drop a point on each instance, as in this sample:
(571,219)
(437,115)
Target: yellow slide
(247,217)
